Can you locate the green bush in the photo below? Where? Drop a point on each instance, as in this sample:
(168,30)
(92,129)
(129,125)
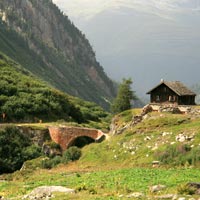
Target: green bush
(13,146)
(186,189)
(32,152)
(51,149)
(51,162)
(179,154)
(53,145)
(71,154)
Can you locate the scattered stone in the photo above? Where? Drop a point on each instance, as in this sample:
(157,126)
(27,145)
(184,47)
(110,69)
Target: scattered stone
(154,148)
(167,196)
(166,133)
(195,186)
(147,138)
(183,137)
(175,197)
(181,198)
(146,109)
(169,108)
(155,163)
(3,198)
(145,117)
(185,109)
(45,192)
(174,109)
(136,119)
(135,195)
(172,143)
(197,192)
(133,153)
(157,188)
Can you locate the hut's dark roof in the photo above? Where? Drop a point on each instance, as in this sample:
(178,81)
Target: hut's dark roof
(178,87)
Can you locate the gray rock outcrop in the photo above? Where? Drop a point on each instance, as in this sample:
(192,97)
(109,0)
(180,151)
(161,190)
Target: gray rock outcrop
(46,192)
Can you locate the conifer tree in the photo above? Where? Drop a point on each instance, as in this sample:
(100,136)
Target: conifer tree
(124,97)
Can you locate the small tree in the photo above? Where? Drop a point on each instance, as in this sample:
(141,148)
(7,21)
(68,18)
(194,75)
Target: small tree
(123,100)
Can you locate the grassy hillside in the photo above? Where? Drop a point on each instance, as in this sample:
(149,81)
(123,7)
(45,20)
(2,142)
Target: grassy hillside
(172,139)
(122,165)
(25,98)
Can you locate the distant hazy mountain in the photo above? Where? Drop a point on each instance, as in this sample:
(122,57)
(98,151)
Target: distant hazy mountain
(143,39)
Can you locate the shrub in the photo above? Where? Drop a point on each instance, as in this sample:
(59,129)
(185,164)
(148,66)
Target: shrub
(53,145)
(51,149)
(71,154)
(12,147)
(186,189)
(31,152)
(180,154)
(50,163)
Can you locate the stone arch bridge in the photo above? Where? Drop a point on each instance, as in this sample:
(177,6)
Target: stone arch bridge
(65,136)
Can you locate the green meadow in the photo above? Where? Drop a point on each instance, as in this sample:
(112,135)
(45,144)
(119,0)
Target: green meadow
(123,164)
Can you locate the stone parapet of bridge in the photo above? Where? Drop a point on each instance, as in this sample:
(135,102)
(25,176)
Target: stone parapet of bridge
(66,135)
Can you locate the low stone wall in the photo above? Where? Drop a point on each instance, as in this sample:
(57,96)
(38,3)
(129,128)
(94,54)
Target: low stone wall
(172,108)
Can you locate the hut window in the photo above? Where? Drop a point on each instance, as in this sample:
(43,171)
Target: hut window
(157,98)
(172,98)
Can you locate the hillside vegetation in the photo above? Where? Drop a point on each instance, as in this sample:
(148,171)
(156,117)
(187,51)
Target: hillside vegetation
(172,139)
(37,35)
(123,164)
(25,98)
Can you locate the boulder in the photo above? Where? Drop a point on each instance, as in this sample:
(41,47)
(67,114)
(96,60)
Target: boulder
(195,186)
(135,195)
(157,188)
(45,192)
(146,109)
(181,138)
(166,196)
(155,163)
(181,198)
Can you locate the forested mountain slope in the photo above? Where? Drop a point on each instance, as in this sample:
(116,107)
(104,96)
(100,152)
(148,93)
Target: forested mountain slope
(25,98)
(43,40)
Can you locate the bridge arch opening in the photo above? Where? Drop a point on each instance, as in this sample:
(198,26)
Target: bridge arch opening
(81,141)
